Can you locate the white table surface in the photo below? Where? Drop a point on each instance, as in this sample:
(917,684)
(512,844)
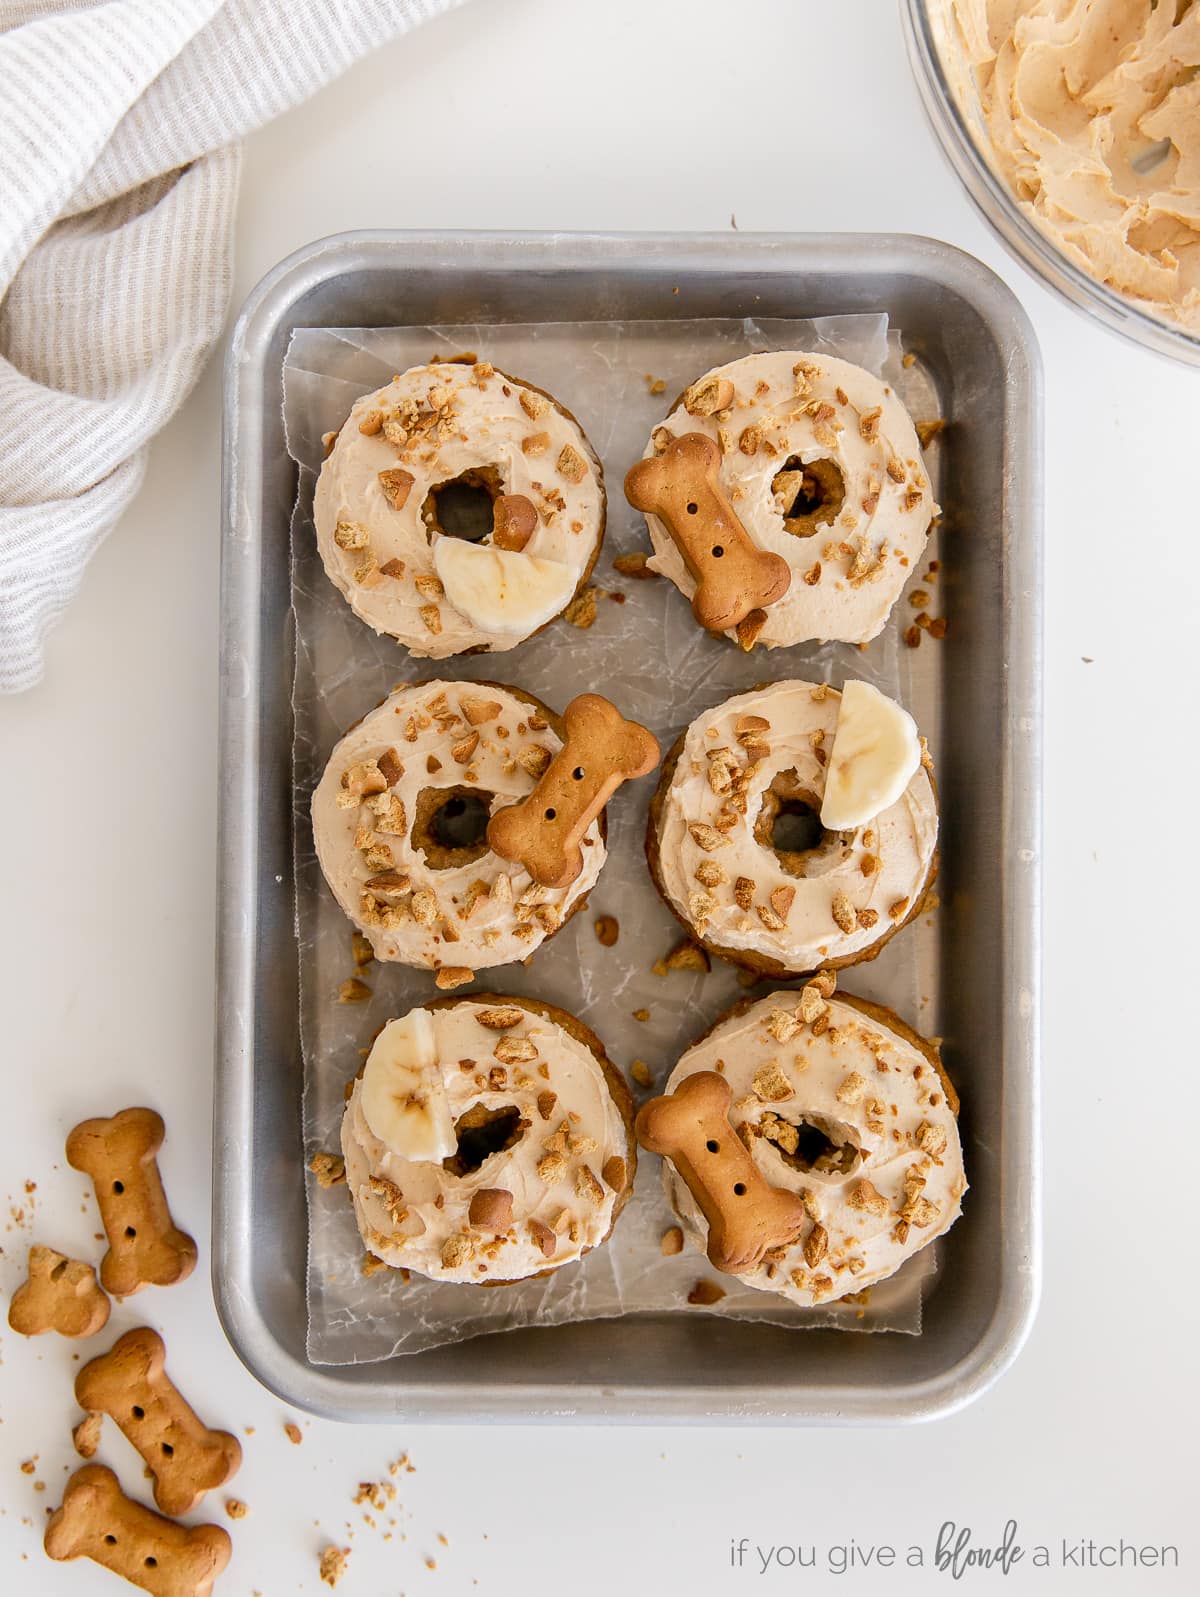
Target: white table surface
(534,114)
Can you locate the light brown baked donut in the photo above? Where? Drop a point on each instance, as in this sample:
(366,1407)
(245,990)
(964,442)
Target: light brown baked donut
(487,1139)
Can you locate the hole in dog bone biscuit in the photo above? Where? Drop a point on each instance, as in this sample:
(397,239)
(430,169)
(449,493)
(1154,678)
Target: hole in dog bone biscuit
(718,551)
(713,1145)
(739,1189)
(167,1450)
(138,1412)
(481,1132)
(118,1187)
(550,814)
(577,773)
(110,1541)
(462,506)
(692,508)
(131,1231)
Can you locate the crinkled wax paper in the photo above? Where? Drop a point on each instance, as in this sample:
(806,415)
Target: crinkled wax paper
(648,655)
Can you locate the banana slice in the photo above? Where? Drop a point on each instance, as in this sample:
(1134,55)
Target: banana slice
(502,590)
(876,754)
(403,1098)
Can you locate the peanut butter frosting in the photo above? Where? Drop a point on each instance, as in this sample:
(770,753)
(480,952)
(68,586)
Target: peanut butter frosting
(434,425)
(821,462)
(518,1083)
(841,897)
(1090,113)
(838,1102)
(387,778)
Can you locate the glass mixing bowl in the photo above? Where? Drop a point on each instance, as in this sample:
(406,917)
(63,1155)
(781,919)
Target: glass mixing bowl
(1021,236)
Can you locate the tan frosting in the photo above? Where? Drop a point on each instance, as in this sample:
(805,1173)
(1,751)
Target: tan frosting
(874,1091)
(480,423)
(412,1231)
(484,913)
(1075,96)
(846,576)
(898,846)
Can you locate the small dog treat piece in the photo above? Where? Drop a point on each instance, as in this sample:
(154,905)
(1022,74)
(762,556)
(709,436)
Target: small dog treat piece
(821,465)
(840,1105)
(476,483)
(60,1295)
(86,1435)
(493,1144)
(682,488)
(746,1215)
(145,1247)
(543,832)
(130,1383)
(99,1522)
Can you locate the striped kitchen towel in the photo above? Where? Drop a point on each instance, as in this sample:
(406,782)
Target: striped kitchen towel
(119,124)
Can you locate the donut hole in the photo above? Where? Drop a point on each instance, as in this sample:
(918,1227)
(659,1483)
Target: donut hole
(809,494)
(450,825)
(789,824)
(481,1132)
(461,507)
(813,1145)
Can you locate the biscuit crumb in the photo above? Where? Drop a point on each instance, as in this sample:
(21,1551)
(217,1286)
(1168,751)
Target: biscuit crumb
(640,1014)
(451,976)
(672,1241)
(353,991)
(639,1070)
(634,565)
(329,1169)
(608,930)
(86,1434)
(706,1292)
(235,1508)
(293,1433)
(333,1564)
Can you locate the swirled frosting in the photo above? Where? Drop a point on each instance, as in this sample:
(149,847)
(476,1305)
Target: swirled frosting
(1091,116)
(421,740)
(858,886)
(433,424)
(836,1101)
(565,1173)
(790,409)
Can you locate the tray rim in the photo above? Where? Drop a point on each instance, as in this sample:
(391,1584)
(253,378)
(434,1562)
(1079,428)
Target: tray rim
(324,1390)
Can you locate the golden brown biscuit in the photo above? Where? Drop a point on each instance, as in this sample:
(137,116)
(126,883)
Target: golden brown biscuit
(60,1295)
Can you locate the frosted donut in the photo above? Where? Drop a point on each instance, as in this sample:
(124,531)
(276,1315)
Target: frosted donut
(459,509)
(821,464)
(840,1102)
(399,818)
(737,849)
(487,1139)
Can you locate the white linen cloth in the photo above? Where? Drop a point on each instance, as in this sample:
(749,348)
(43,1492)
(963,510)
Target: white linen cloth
(119,172)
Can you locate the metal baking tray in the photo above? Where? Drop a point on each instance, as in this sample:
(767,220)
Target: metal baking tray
(977,345)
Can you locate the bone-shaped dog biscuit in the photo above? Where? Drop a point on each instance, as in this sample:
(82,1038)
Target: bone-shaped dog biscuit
(601,749)
(130,1383)
(60,1295)
(746,1215)
(145,1247)
(682,487)
(99,1522)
